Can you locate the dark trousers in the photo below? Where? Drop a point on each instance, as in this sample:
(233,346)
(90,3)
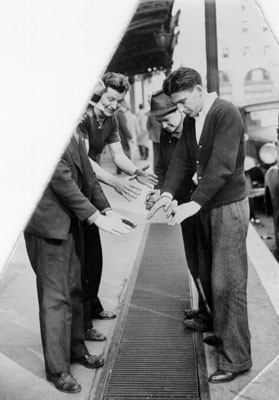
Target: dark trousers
(92,273)
(196,265)
(56,264)
(156,151)
(222,244)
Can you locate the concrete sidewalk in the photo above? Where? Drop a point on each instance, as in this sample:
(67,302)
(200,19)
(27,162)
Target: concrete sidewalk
(21,360)
(261,382)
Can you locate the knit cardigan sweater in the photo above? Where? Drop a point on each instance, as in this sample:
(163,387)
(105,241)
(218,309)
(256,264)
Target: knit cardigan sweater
(218,159)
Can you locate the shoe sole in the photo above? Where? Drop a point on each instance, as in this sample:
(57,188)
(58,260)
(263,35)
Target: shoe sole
(197,329)
(66,391)
(88,366)
(231,379)
(223,380)
(96,340)
(213,344)
(63,390)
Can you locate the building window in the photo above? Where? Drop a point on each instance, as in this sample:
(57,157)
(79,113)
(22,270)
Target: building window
(258,75)
(265,28)
(244,26)
(258,85)
(246,51)
(225,52)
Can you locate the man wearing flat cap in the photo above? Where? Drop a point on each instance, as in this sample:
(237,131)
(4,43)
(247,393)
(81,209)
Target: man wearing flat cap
(171,120)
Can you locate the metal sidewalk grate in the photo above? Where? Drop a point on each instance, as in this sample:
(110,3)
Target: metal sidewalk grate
(156,357)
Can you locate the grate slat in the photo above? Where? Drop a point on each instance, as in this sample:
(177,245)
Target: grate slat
(156,356)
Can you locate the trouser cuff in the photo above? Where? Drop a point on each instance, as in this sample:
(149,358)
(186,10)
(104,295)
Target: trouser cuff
(229,367)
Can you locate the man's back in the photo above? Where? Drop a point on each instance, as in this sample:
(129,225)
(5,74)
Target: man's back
(63,198)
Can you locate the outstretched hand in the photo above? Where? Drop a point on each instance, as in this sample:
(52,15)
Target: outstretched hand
(151,198)
(112,225)
(121,218)
(163,202)
(177,214)
(144,177)
(124,187)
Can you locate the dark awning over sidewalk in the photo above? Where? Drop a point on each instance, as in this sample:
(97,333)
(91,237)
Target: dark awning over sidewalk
(149,40)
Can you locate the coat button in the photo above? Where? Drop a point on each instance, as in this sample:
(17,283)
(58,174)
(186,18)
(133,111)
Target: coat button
(200,146)
(197,162)
(199,177)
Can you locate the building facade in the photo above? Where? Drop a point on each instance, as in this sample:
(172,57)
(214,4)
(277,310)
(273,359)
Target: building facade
(248,54)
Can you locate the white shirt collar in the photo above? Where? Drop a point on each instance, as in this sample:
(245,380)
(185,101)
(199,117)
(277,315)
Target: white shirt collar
(208,100)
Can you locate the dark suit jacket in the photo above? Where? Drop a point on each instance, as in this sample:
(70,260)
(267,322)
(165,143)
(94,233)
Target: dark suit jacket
(167,146)
(63,199)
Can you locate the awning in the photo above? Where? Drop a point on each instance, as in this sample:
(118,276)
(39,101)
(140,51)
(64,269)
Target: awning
(149,40)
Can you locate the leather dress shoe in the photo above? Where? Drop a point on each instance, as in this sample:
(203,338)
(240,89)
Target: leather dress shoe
(64,382)
(106,315)
(212,341)
(191,313)
(94,335)
(90,361)
(198,324)
(220,376)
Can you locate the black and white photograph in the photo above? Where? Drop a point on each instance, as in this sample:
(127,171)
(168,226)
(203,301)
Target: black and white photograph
(140,200)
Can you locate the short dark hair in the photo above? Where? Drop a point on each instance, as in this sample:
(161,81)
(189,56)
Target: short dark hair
(181,79)
(116,81)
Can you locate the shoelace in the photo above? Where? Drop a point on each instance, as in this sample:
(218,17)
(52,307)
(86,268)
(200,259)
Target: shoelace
(66,374)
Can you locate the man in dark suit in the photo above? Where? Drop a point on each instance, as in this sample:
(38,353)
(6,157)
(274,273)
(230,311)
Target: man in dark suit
(53,239)
(211,153)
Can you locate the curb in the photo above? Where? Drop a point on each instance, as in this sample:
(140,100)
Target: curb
(265,265)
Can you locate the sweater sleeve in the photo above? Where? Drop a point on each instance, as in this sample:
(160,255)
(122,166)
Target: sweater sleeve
(98,197)
(222,162)
(69,193)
